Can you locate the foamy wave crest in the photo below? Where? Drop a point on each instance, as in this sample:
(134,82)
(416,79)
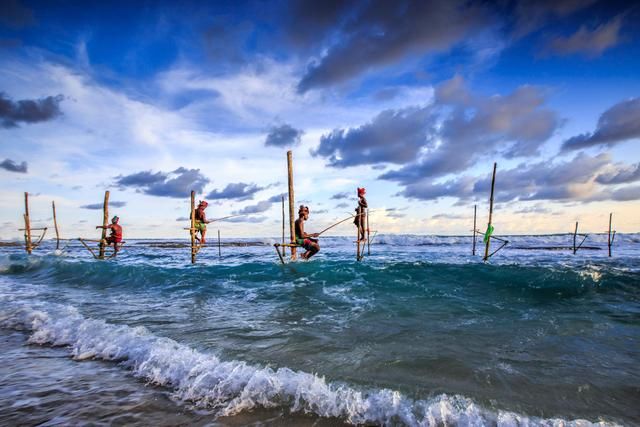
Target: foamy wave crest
(235,386)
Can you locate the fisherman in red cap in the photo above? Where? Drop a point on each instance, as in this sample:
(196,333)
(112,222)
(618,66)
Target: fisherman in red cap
(116,233)
(359,219)
(201,221)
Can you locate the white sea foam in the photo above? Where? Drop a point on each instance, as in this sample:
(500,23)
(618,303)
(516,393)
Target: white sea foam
(231,387)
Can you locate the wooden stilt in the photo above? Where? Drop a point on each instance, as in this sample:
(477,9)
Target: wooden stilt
(575,234)
(611,236)
(473,250)
(88,247)
(219,250)
(283,227)
(27,224)
(368,235)
(192,230)
(55,224)
(359,216)
(292,229)
(105,222)
(488,242)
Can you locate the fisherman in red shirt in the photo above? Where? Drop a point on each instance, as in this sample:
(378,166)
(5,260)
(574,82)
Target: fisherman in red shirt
(116,233)
(360,216)
(201,221)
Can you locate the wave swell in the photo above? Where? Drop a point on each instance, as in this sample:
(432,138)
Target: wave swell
(231,387)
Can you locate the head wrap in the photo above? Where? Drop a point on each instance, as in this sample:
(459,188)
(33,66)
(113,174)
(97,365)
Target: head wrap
(115,218)
(361,191)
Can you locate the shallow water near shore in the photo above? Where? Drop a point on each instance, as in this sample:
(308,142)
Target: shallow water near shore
(418,333)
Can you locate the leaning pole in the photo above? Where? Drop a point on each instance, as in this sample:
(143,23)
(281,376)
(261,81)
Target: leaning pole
(488,242)
(292,229)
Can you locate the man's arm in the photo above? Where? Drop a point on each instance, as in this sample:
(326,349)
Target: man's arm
(304,233)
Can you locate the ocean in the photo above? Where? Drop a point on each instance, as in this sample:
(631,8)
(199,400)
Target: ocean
(418,333)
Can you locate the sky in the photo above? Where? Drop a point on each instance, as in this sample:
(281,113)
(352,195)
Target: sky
(414,100)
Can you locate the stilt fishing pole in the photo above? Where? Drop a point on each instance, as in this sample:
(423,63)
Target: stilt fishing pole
(337,223)
(223,218)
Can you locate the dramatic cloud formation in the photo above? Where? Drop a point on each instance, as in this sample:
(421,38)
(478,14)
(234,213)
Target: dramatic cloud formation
(12,166)
(238,191)
(513,126)
(340,196)
(259,207)
(576,179)
(98,206)
(618,124)
(378,32)
(392,136)
(442,138)
(591,43)
(623,175)
(533,14)
(283,136)
(28,111)
(278,198)
(308,22)
(177,183)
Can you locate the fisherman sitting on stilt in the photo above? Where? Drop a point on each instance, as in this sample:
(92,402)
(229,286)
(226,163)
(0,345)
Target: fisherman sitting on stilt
(360,216)
(201,221)
(116,233)
(306,240)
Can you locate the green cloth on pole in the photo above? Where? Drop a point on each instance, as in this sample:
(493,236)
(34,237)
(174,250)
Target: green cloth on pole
(488,233)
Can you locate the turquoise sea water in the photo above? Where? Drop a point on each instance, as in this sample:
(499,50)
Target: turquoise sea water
(418,333)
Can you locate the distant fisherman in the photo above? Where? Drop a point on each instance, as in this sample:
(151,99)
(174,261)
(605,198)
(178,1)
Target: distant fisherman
(201,221)
(359,219)
(306,240)
(116,233)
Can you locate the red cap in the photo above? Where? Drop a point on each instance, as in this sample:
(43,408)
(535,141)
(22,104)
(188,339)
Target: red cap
(361,191)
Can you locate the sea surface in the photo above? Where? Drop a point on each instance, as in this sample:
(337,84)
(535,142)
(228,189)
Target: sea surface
(420,332)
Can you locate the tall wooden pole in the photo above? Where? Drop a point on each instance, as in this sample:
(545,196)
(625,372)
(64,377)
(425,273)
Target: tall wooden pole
(575,234)
(358,234)
(27,224)
(193,227)
(283,228)
(368,235)
(105,222)
(219,250)
(473,251)
(55,224)
(292,229)
(359,223)
(609,241)
(493,182)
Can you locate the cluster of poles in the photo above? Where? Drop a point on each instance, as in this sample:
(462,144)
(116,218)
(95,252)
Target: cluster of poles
(363,246)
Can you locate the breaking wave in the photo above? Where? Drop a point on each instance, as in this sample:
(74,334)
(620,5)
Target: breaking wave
(231,387)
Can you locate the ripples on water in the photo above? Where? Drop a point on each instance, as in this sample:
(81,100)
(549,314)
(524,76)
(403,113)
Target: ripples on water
(418,333)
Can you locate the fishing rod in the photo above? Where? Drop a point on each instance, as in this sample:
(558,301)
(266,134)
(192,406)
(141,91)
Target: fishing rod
(224,217)
(337,223)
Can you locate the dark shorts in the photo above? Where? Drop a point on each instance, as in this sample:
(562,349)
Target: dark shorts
(112,239)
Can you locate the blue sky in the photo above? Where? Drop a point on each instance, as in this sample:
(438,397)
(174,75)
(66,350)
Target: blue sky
(414,100)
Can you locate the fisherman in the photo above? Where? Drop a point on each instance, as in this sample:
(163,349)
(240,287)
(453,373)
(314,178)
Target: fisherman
(359,219)
(201,221)
(116,233)
(306,240)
